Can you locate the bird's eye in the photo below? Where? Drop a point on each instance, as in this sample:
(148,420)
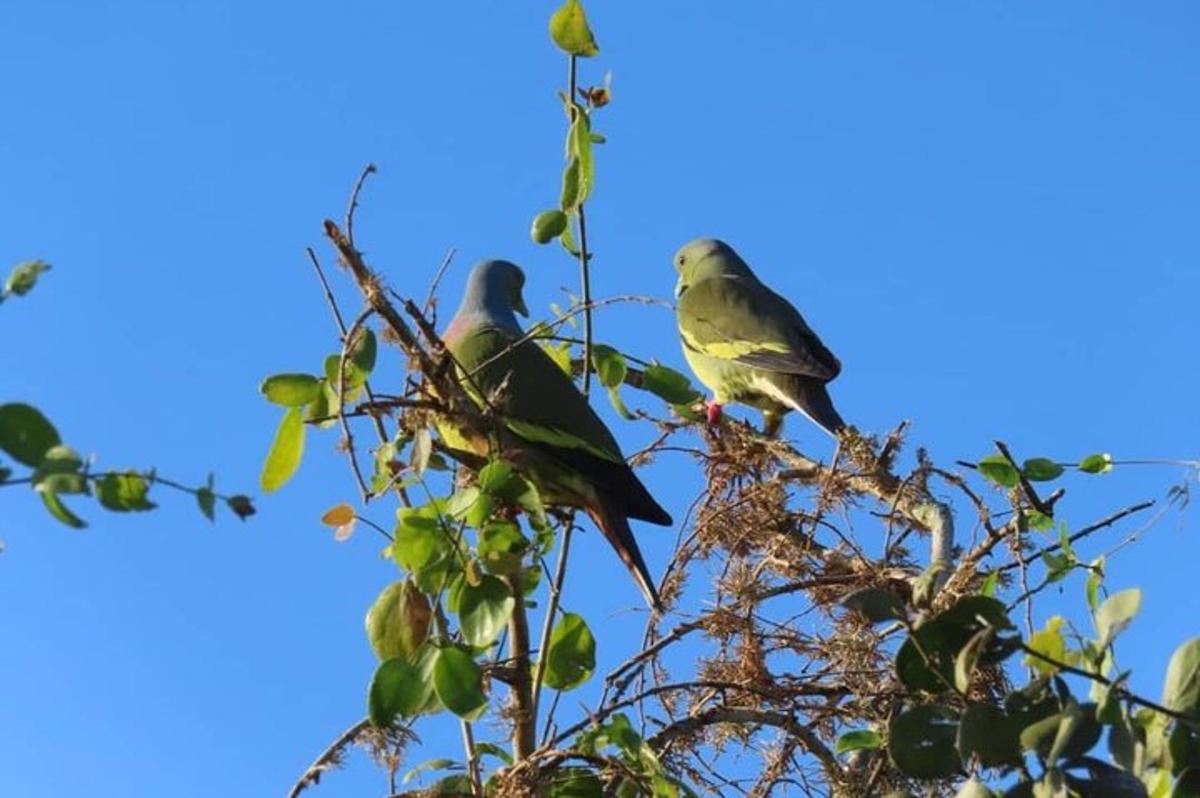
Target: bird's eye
(681,260)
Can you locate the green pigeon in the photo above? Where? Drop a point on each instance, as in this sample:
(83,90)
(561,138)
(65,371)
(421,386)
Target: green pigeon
(747,343)
(550,431)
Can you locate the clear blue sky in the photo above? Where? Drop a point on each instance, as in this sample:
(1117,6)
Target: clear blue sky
(987,209)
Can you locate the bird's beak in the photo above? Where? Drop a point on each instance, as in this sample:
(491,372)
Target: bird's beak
(519,306)
(680,287)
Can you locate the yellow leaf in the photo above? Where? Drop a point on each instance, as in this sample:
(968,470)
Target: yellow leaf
(1048,642)
(338,516)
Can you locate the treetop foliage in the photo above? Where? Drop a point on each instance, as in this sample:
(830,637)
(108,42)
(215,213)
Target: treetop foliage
(844,662)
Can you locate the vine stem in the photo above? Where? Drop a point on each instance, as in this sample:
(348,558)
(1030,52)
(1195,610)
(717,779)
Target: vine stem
(585,278)
(560,573)
(525,721)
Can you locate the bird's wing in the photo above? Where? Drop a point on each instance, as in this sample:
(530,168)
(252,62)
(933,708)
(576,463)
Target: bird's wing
(536,399)
(736,319)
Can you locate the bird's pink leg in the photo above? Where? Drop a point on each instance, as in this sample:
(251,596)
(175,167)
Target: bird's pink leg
(712,411)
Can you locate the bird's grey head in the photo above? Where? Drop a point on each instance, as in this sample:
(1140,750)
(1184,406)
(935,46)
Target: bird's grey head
(706,257)
(494,288)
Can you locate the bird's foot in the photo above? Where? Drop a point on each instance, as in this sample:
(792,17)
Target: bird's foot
(712,412)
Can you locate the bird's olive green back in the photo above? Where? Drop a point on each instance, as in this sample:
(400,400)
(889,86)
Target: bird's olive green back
(537,400)
(738,318)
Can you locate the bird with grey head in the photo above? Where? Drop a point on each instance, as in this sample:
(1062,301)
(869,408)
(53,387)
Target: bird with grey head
(550,432)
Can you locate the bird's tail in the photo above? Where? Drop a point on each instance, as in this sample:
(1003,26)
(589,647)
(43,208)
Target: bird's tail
(810,397)
(615,528)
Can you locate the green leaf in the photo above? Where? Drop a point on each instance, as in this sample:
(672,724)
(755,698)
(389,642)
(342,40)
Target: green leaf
(484,609)
(669,385)
(456,679)
(988,734)
(875,604)
(998,469)
(60,511)
(1116,613)
(567,239)
(561,355)
(426,701)
(921,742)
(23,277)
(124,492)
(491,749)
(501,547)
(25,434)
(469,504)
(1041,469)
(571,654)
(422,449)
(1094,580)
(1181,689)
(858,740)
(568,199)
(1049,642)
(1096,464)
(1039,521)
(398,622)
(207,500)
(569,30)
(499,478)
(324,407)
(968,658)
(1070,733)
(614,397)
(575,783)
(973,788)
(547,226)
(363,351)
(61,471)
(610,365)
(990,583)
(396,689)
(291,390)
(430,765)
(423,546)
(286,451)
(580,145)
(926,660)
(1057,566)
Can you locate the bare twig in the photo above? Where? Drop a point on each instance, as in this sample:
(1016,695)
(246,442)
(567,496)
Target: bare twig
(560,573)
(367,171)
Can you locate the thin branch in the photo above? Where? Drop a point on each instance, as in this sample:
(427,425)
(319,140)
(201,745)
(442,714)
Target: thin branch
(431,297)
(585,279)
(1191,720)
(329,758)
(1087,530)
(560,573)
(367,171)
(348,436)
(780,720)
(524,711)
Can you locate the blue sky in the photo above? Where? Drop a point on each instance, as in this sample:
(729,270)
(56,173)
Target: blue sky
(987,209)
